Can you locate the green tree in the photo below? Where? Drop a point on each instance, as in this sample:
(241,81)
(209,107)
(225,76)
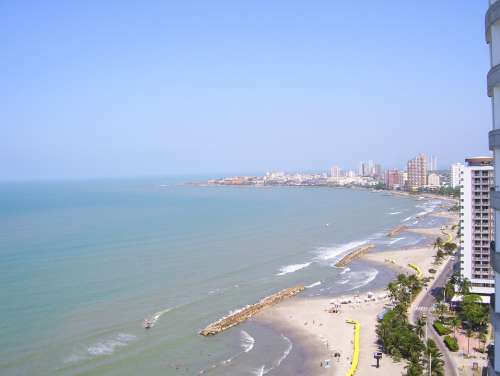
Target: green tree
(483,339)
(434,356)
(438,244)
(441,309)
(464,286)
(473,312)
(414,368)
(449,247)
(449,290)
(469,333)
(420,327)
(455,324)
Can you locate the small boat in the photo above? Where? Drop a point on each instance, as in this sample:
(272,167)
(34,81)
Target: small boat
(148,324)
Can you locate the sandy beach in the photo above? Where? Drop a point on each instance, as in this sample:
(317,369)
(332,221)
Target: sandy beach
(329,333)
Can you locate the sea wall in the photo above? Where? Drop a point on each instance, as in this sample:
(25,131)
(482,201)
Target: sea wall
(247,312)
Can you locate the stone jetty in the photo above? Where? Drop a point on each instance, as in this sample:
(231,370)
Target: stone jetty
(350,257)
(398,230)
(249,311)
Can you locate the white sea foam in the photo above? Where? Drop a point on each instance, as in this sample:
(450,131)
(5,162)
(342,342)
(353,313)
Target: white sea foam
(247,341)
(346,270)
(264,371)
(313,285)
(394,213)
(394,241)
(108,347)
(328,253)
(260,371)
(363,278)
(157,316)
(407,219)
(292,268)
(286,352)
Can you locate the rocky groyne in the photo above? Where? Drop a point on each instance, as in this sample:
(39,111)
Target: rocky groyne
(350,257)
(249,311)
(396,231)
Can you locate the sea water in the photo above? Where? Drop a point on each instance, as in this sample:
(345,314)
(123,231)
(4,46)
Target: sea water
(83,263)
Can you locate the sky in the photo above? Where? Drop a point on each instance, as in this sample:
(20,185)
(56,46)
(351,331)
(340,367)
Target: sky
(118,88)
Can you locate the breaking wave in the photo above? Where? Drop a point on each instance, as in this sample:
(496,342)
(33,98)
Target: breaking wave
(292,268)
(313,285)
(329,253)
(247,341)
(362,278)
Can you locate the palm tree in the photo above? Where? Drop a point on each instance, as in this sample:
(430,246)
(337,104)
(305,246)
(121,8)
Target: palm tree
(441,308)
(465,286)
(469,333)
(414,368)
(455,324)
(449,247)
(438,243)
(483,338)
(449,290)
(419,327)
(433,355)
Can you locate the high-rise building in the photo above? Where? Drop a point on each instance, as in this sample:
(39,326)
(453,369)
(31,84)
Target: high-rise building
(335,172)
(477,224)
(417,172)
(434,181)
(492,23)
(433,161)
(392,179)
(456,170)
(403,179)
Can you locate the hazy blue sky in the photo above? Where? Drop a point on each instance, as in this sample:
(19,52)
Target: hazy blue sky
(103,88)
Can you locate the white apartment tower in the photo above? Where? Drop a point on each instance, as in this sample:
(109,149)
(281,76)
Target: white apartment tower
(456,170)
(477,224)
(492,26)
(335,172)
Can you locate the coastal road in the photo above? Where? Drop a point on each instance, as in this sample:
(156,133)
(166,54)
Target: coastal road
(425,306)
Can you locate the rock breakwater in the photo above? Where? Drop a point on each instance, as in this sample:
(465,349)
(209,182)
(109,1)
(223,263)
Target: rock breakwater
(249,311)
(350,257)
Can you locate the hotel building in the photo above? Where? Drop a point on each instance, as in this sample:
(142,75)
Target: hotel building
(417,172)
(492,26)
(477,224)
(392,179)
(456,170)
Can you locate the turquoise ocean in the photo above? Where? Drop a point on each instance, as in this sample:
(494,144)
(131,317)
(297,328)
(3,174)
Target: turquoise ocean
(83,263)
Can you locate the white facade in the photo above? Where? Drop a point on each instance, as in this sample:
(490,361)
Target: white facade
(492,26)
(434,181)
(477,226)
(433,162)
(335,172)
(456,170)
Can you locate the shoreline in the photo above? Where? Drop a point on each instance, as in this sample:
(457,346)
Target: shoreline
(329,334)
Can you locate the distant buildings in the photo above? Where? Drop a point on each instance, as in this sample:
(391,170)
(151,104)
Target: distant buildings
(434,180)
(335,172)
(393,179)
(456,171)
(417,172)
(477,224)
(433,162)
